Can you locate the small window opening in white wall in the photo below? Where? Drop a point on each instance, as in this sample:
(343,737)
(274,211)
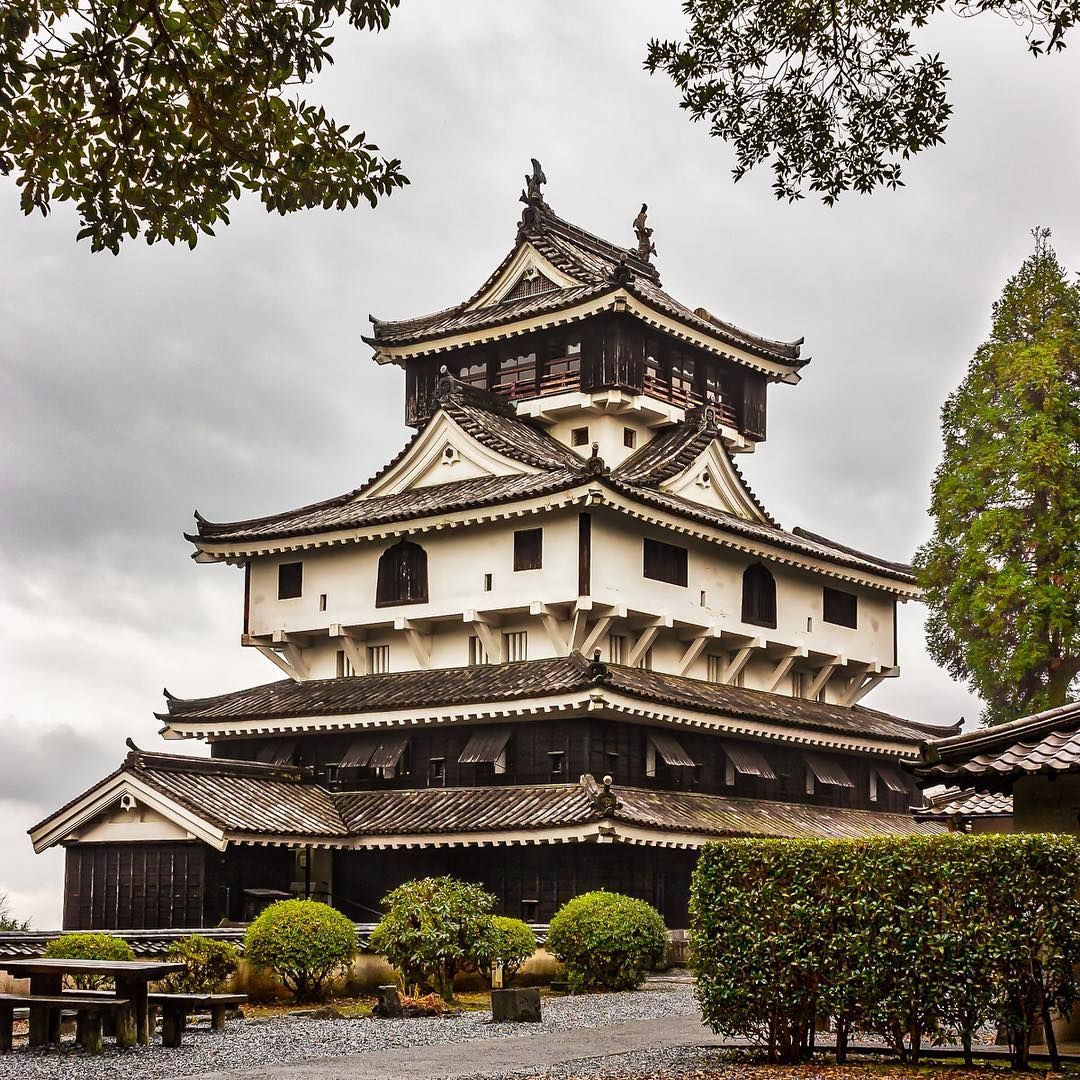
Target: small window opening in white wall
(579,436)
(810,624)
(322,601)
(616,649)
(344,665)
(629,438)
(714,668)
(487,583)
(516,646)
(477,653)
(378,658)
(704,598)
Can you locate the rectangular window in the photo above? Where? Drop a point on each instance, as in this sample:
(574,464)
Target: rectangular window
(840,608)
(487,583)
(437,770)
(579,436)
(477,653)
(378,659)
(665,562)
(629,438)
(515,646)
(645,661)
(322,601)
(344,665)
(528,549)
(558,763)
(616,649)
(290,580)
(715,668)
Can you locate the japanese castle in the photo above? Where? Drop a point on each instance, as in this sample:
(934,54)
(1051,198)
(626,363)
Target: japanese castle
(555,644)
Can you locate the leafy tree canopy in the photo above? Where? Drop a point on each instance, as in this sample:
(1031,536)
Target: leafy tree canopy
(833,95)
(9,922)
(1002,569)
(154,115)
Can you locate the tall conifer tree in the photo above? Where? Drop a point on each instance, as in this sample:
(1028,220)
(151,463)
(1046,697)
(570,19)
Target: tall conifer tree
(1002,570)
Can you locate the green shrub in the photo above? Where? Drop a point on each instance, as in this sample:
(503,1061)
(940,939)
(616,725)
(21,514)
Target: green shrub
(902,937)
(209,964)
(305,942)
(89,946)
(431,927)
(607,941)
(512,942)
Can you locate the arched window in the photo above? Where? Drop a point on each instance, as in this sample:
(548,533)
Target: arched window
(758,596)
(402,575)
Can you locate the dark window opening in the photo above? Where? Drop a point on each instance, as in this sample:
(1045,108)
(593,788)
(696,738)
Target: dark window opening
(840,608)
(665,562)
(402,575)
(322,601)
(290,580)
(472,372)
(562,367)
(759,596)
(528,549)
(579,436)
(517,375)
(558,763)
(629,437)
(437,771)
(487,583)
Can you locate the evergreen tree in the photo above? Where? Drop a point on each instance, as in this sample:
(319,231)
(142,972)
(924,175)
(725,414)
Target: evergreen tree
(1001,572)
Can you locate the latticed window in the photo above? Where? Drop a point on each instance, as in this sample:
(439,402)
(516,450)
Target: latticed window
(759,596)
(290,580)
(840,608)
(515,645)
(715,666)
(477,653)
(616,649)
(402,575)
(378,659)
(528,549)
(531,283)
(664,562)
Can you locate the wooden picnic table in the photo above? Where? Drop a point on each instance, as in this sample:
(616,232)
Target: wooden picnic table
(47,978)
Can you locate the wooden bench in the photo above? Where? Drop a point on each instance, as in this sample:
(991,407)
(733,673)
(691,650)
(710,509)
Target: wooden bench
(176,1008)
(90,1012)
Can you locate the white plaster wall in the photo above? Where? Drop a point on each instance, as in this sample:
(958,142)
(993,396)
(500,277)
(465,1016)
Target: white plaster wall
(458,559)
(617,578)
(605,430)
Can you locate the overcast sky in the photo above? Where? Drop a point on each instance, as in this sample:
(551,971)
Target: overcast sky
(233,378)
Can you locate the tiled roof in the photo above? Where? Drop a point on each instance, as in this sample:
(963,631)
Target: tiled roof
(770,534)
(969,803)
(1046,742)
(239,797)
(493,683)
(599,267)
(353,511)
(666,454)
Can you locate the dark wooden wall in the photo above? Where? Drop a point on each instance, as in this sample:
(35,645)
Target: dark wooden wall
(530,882)
(599,747)
(134,886)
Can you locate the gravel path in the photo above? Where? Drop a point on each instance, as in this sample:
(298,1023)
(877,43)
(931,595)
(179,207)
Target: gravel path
(259,1043)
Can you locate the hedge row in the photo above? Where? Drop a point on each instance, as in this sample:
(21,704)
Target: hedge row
(912,939)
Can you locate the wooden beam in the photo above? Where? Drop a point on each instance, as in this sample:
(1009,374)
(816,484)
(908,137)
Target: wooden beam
(642,645)
(354,646)
(599,629)
(579,625)
(693,651)
(280,661)
(736,664)
(859,689)
(417,640)
(485,631)
(552,626)
(820,680)
(783,667)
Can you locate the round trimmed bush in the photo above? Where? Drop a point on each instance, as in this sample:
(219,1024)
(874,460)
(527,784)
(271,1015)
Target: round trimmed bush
(431,927)
(512,942)
(89,947)
(209,964)
(607,941)
(304,942)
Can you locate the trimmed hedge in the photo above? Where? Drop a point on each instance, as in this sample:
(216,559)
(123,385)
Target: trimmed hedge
(512,941)
(908,938)
(607,941)
(304,941)
(432,927)
(209,964)
(89,946)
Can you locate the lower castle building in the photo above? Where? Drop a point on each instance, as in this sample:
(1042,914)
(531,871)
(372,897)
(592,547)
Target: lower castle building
(556,644)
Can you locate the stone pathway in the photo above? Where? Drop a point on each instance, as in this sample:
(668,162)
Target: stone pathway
(490,1056)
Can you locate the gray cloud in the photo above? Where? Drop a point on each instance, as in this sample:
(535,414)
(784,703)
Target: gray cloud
(233,379)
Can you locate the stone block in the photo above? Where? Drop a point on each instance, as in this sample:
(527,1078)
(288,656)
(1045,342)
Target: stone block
(516,1006)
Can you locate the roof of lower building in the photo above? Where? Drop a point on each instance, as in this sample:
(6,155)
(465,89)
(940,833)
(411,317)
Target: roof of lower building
(954,803)
(241,802)
(1047,742)
(495,683)
(594,266)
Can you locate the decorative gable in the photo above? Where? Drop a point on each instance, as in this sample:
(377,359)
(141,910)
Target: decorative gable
(532,282)
(713,481)
(524,273)
(444,453)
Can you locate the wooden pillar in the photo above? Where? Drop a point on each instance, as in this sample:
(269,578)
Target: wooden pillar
(90,1030)
(7,1026)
